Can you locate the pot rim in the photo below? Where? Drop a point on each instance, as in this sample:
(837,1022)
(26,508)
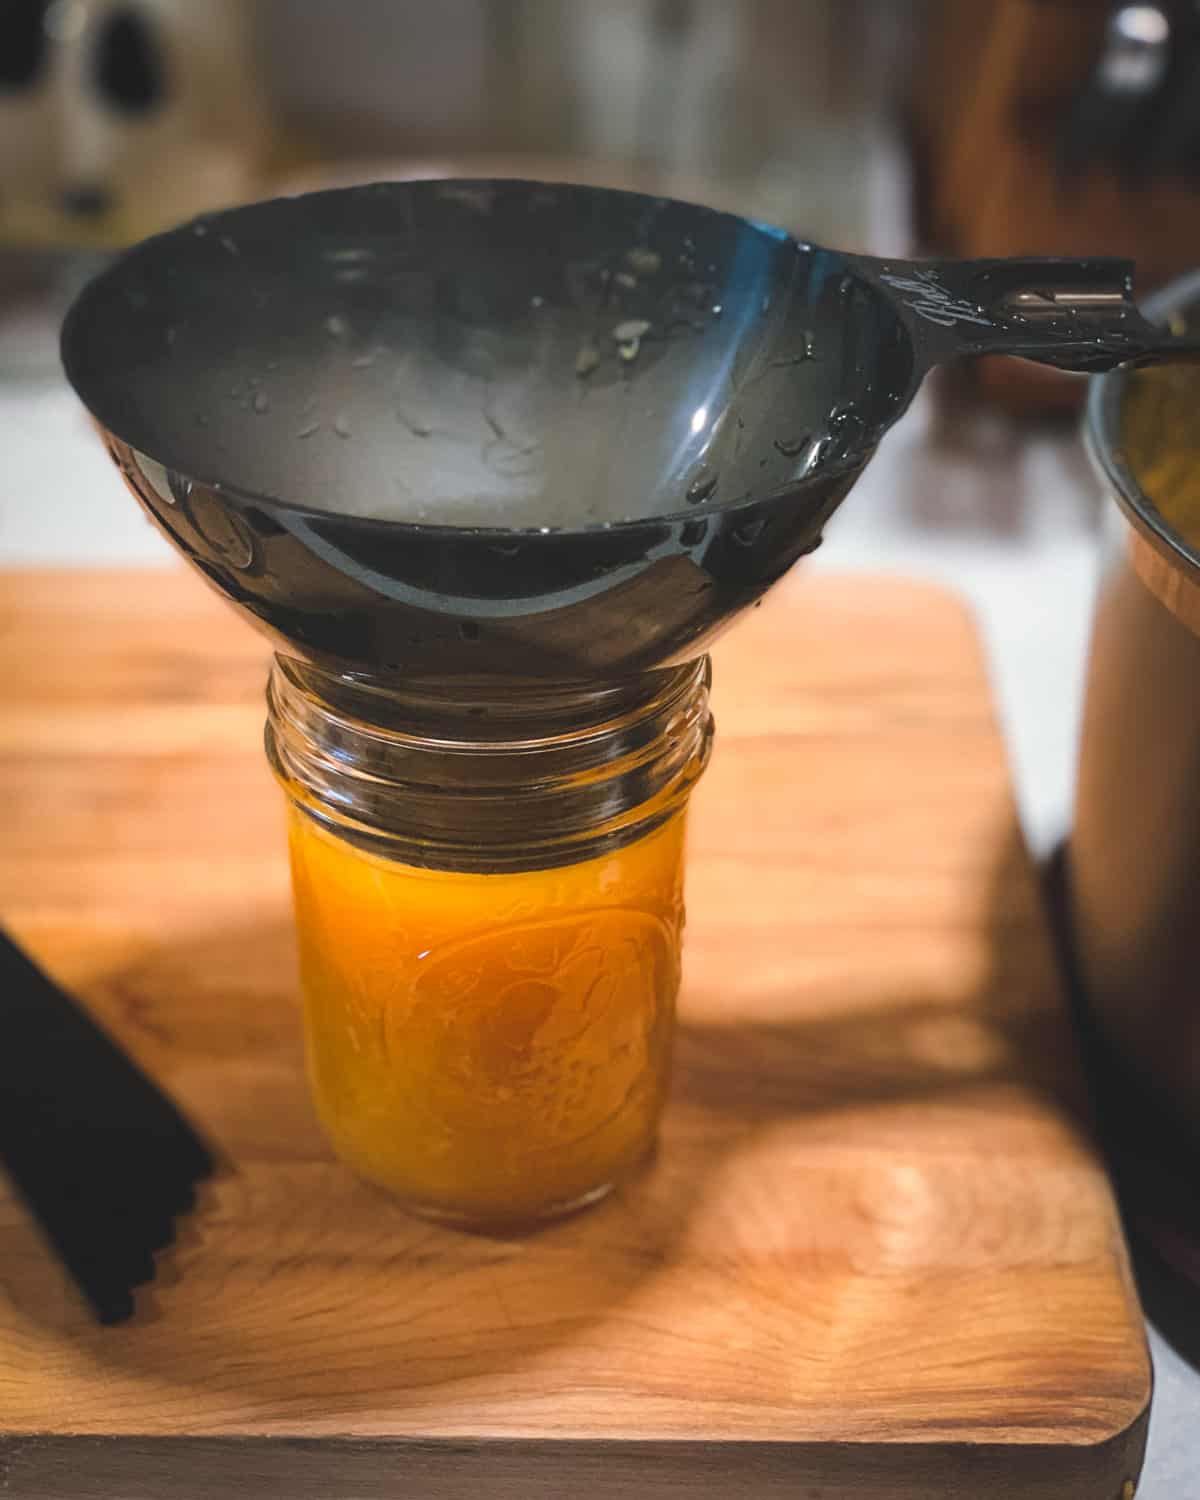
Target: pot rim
(1102,440)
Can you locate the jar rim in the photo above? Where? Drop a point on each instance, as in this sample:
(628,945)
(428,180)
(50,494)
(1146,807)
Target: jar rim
(452,800)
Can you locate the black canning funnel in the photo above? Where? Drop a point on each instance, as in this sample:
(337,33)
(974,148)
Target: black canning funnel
(473,427)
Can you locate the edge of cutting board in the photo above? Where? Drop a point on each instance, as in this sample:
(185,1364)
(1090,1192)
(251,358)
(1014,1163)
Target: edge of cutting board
(93,1468)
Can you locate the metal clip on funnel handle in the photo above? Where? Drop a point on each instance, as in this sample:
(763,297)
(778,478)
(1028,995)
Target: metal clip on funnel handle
(1073,314)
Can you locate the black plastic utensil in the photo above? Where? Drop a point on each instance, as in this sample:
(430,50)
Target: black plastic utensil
(467,428)
(101,1157)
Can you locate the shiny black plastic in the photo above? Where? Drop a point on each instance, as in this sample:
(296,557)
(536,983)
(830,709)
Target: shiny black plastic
(461,428)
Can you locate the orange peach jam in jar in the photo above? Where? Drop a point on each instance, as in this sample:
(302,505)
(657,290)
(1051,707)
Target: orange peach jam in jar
(489,902)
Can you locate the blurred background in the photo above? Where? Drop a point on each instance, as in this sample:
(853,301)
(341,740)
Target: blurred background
(119,115)
(969,127)
(989,127)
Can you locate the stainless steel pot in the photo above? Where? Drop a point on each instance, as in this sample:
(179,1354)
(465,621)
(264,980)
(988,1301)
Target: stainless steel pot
(1134,862)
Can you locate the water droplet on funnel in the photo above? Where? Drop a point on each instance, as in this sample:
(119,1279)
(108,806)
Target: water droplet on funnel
(261,404)
(536,301)
(341,425)
(336,328)
(222,528)
(170,335)
(228,244)
(418,429)
(717,309)
(702,485)
(792,447)
(363,361)
(201,419)
(308,431)
(199,230)
(748,533)
(642,260)
(630,329)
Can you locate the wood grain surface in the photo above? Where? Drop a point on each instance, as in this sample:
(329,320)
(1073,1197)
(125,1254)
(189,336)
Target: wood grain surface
(876,1256)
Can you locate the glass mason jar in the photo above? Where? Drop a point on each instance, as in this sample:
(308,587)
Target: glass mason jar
(489,901)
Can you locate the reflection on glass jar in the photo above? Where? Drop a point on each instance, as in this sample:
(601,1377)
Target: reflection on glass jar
(489,898)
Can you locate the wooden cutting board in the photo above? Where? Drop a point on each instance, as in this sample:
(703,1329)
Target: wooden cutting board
(876,1257)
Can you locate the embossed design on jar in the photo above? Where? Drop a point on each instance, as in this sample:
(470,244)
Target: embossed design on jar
(556,1021)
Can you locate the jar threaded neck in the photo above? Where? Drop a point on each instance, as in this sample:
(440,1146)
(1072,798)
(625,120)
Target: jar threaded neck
(490,775)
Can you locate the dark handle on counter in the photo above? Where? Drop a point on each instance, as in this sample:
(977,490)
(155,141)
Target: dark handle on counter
(1102,126)
(1175,143)
(1073,314)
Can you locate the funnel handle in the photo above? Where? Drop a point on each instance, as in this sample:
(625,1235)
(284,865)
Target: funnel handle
(1073,314)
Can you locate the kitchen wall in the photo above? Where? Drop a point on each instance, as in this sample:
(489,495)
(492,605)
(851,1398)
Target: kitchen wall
(774,104)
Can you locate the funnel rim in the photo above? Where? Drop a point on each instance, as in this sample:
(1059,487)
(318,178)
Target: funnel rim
(90,391)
